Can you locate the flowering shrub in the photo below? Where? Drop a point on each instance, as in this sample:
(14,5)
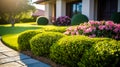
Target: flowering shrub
(96,29)
(63,21)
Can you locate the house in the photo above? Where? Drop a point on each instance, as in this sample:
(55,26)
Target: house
(38,12)
(93,9)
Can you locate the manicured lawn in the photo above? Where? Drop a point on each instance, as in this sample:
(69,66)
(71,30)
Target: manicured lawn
(11,40)
(10,34)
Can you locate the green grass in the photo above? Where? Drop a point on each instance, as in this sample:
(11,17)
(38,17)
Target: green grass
(10,34)
(11,40)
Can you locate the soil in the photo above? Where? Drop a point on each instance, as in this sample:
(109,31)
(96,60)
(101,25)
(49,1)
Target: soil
(43,59)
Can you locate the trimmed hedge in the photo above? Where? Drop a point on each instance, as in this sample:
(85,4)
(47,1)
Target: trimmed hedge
(78,18)
(96,40)
(102,54)
(68,50)
(42,21)
(23,39)
(56,29)
(40,44)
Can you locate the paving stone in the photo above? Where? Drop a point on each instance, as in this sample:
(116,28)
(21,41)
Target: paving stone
(12,53)
(40,64)
(11,64)
(23,56)
(11,58)
(29,61)
(5,49)
(8,59)
(20,62)
(2,56)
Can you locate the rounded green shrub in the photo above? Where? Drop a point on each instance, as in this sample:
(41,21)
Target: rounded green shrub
(40,44)
(102,54)
(42,21)
(78,18)
(68,50)
(116,17)
(23,39)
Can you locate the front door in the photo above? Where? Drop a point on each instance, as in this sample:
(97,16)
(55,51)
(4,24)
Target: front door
(106,8)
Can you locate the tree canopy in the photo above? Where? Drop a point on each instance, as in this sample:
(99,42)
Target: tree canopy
(10,9)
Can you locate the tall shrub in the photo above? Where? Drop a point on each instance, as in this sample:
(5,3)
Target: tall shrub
(78,18)
(42,21)
(116,17)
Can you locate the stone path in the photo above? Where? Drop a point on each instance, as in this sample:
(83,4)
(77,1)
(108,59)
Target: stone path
(12,58)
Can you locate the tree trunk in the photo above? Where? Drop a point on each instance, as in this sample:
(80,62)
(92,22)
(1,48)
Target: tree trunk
(12,21)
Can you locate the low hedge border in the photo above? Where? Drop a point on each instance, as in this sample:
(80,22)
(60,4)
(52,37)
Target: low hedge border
(40,44)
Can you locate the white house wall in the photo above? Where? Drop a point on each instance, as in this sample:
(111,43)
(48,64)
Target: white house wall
(118,5)
(48,10)
(60,8)
(88,8)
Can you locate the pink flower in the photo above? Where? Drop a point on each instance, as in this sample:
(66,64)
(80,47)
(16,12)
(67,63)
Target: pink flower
(99,23)
(116,37)
(93,28)
(75,29)
(82,27)
(109,23)
(73,33)
(106,27)
(116,30)
(91,22)
(69,29)
(67,32)
(88,30)
(101,27)
(93,35)
(77,33)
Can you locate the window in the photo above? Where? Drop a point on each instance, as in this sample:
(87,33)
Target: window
(73,8)
(77,8)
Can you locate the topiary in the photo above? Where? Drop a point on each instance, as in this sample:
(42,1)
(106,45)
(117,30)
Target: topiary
(78,18)
(115,17)
(102,54)
(68,50)
(23,39)
(42,21)
(40,44)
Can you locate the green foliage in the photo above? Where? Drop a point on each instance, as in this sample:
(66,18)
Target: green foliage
(116,17)
(8,40)
(55,29)
(40,44)
(10,9)
(96,40)
(78,18)
(24,38)
(42,21)
(102,54)
(68,50)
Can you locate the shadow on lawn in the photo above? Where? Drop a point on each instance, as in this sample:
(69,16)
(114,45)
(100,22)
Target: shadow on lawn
(15,30)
